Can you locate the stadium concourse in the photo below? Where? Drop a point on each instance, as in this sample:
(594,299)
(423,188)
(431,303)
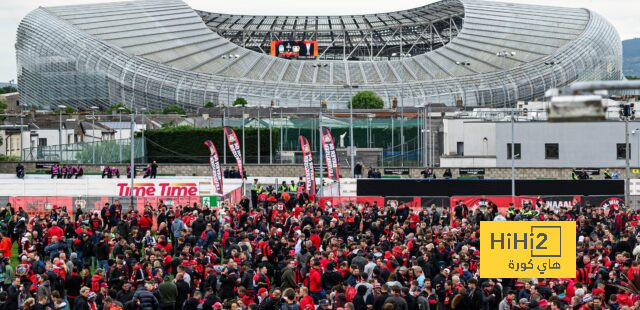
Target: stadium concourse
(287,249)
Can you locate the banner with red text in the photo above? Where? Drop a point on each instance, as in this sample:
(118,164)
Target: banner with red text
(329,154)
(234,147)
(214,161)
(307,159)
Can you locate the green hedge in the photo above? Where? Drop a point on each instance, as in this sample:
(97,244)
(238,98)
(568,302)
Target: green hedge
(185,144)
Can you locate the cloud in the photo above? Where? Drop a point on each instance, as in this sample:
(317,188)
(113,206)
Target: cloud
(621,13)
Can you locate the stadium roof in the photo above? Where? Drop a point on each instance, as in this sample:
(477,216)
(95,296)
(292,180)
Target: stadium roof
(499,53)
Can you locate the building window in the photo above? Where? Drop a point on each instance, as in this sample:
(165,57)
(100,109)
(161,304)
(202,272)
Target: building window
(516,151)
(621,150)
(42,142)
(460,149)
(551,151)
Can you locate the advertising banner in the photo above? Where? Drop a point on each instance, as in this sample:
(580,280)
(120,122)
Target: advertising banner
(604,202)
(345,200)
(216,170)
(557,202)
(234,147)
(307,159)
(410,202)
(330,154)
(502,202)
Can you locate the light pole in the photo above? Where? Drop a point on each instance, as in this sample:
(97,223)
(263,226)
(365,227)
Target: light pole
(320,144)
(21,135)
(132,163)
(627,113)
(144,128)
(120,109)
(259,107)
(60,108)
(271,133)
(224,136)
(353,157)
(244,172)
(93,134)
(636,132)
(513,163)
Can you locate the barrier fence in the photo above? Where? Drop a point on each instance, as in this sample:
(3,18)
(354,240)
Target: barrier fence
(473,202)
(35,205)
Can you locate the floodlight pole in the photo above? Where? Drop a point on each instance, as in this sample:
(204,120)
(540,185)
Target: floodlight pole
(132,163)
(320,158)
(513,163)
(627,172)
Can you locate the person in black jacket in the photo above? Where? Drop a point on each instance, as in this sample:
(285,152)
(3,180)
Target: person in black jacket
(331,277)
(193,302)
(475,294)
(81,302)
(144,298)
(183,291)
(125,294)
(379,301)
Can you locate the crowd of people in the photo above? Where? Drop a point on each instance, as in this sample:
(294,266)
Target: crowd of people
(290,253)
(64,171)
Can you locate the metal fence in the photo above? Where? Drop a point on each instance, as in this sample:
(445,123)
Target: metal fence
(101,152)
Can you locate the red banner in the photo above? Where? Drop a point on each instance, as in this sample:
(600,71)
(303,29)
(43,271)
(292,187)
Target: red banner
(214,161)
(234,147)
(329,149)
(307,159)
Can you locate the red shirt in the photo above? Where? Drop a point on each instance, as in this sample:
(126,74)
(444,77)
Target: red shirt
(315,278)
(54,231)
(306,303)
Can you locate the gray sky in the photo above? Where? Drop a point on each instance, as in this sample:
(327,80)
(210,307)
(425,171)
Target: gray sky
(623,14)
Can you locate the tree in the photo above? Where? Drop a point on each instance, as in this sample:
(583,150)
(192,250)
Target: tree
(632,77)
(208,104)
(69,110)
(367,100)
(173,109)
(114,108)
(240,102)
(8,89)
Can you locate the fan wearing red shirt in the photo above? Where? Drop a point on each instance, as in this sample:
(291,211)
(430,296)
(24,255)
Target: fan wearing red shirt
(315,279)
(54,231)
(306,302)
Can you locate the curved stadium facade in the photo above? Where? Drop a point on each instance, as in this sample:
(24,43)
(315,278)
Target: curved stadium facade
(153,53)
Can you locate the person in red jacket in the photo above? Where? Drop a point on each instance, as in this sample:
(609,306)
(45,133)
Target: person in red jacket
(54,231)
(315,279)
(306,302)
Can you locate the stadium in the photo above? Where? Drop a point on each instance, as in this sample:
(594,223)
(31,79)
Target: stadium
(153,53)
